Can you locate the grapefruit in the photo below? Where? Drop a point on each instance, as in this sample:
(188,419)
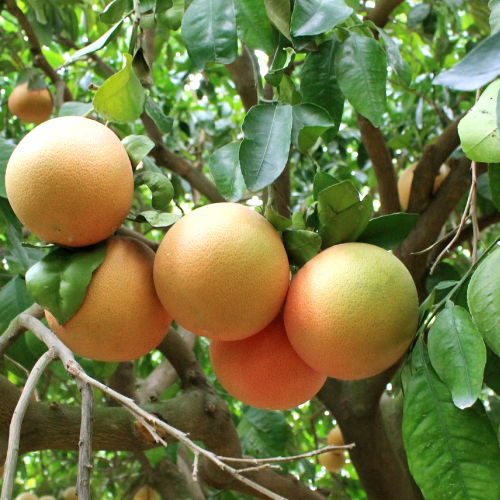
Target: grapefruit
(263,370)
(333,461)
(222,271)
(30,106)
(26,496)
(146,493)
(47,497)
(70,493)
(352,311)
(70,181)
(406,179)
(121,317)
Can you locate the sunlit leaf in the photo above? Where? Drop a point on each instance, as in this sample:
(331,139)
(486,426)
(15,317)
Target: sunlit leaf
(137,147)
(74,108)
(278,221)
(156,219)
(301,246)
(160,186)
(225,169)
(279,14)
(395,59)
(312,17)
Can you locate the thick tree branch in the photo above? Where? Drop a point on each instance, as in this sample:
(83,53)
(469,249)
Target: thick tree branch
(381,159)
(242,73)
(379,15)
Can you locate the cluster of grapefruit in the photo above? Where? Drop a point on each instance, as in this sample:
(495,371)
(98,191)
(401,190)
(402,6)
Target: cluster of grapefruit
(221,272)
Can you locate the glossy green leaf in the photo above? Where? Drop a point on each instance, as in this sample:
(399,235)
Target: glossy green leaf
(312,215)
(298,221)
(98,44)
(14,299)
(209,31)
(160,186)
(173,16)
(225,169)
(483,296)
(59,281)
(494,6)
(279,12)
(301,246)
(283,58)
(113,12)
(452,453)
(121,98)
(479,67)
(253,25)
(14,235)
(155,219)
(426,305)
(458,354)
(6,149)
(348,224)
(335,199)
(264,150)
(322,180)
(310,121)
(137,147)
(388,231)
(288,94)
(164,123)
(312,17)
(319,85)
(417,14)
(279,222)
(395,59)
(361,68)
(478,129)
(494,183)
(74,108)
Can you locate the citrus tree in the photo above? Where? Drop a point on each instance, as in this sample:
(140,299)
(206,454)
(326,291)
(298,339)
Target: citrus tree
(153,347)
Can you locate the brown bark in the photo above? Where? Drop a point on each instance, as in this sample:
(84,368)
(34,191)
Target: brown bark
(379,15)
(242,74)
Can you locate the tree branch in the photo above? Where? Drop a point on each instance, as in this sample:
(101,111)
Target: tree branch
(379,15)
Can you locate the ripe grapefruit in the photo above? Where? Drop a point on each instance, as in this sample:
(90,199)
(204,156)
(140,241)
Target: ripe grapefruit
(26,496)
(263,370)
(222,271)
(406,179)
(70,181)
(121,317)
(146,493)
(30,106)
(351,311)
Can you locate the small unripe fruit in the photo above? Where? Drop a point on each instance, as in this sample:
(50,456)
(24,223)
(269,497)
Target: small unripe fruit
(70,493)
(146,493)
(333,461)
(335,437)
(27,496)
(30,106)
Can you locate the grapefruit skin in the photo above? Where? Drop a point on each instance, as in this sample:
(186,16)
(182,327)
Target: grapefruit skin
(30,106)
(121,317)
(70,181)
(222,272)
(406,179)
(264,371)
(352,311)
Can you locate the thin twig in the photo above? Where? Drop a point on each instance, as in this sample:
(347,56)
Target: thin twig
(85,443)
(16,422)
(445,237)
(195,466)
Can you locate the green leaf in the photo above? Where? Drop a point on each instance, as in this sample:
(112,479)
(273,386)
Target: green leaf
(478,129)
(494,6)
(458,354)
(74,108)
(98,44)
(160,186)
(137,147)
(361,67)
(298,221)
(287,91)
(265,148)
(426,305)
(253,25)
(14,299)
(301,246)
(225,169)
(121,98)
(479,67)
(322,180)
(319,84)
(492,371)
(279,222)
(174,15)
(163,122)
(6,149)
(59,281)
(388,231)
(310,121)
(209,31)
(283,58)
(452,453)
(335,199)
(14,235)
(348,224)
(418,14)
(155,219)
(312,17)
(494,182)
(279,14)
(483,296)
(113,12)
(396,61)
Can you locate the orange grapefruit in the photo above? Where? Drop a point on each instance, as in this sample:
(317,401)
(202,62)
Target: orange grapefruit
(121,317)
(351,311)
(264,371)
(222,271)
(70,181)
(30,106)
